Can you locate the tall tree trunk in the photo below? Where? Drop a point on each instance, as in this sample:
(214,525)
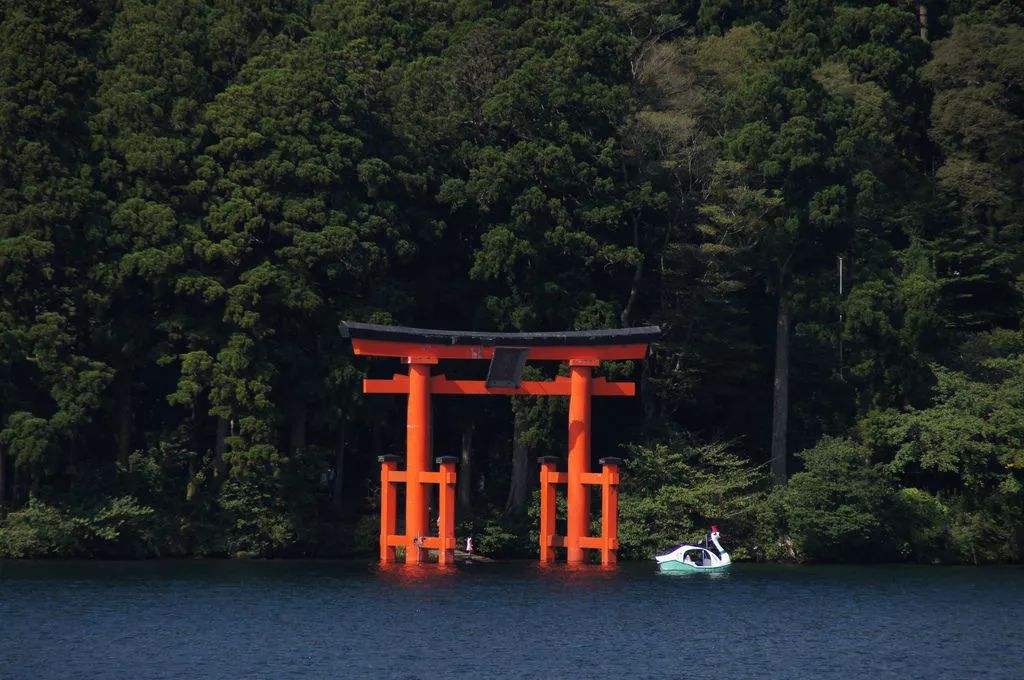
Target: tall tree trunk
(377,439)
(220,446)
(780,401)
(465,479)
(339,464)
(626,318)
(297,431)
(190,485)
(922,21)
(15,495)
(518,489)
(123,395)
(648,400)
(3,480)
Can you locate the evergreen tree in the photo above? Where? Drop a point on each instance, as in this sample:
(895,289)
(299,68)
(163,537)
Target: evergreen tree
(56,385)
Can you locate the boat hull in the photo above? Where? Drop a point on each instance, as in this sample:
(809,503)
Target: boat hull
(676,566)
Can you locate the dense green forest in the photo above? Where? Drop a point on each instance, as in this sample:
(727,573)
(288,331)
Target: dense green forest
(821,203)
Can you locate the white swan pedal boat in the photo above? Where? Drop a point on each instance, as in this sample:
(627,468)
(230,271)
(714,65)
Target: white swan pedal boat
(693,558)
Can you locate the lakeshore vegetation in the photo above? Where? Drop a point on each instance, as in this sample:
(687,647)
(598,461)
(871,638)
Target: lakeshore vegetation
(821,203)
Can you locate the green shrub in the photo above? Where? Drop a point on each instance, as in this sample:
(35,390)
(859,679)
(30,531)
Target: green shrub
(501,536)
(260,524)
(982,536)
(836,509)
(119,528)
(673,491)
(922,522)
(39,530)
(366,535)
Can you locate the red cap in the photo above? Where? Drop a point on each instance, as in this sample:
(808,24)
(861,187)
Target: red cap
(714,528)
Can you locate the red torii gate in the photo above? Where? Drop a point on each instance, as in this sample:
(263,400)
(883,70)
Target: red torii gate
(422,348)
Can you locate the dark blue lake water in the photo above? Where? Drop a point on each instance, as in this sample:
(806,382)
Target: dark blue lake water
(213,619)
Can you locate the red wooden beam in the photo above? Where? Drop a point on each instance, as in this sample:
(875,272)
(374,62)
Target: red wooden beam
(598,542)
(556,541)
(421,351)
(439,384)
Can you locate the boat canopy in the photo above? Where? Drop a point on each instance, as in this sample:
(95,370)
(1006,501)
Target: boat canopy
(682,550)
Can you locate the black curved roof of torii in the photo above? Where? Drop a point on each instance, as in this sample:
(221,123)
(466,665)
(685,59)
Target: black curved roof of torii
(431,336)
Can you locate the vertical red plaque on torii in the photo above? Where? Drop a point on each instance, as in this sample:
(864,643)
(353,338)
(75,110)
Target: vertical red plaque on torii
(421,349)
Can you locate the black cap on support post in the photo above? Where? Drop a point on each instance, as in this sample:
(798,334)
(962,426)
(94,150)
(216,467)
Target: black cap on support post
(610,460)
(388,458)
(446,460)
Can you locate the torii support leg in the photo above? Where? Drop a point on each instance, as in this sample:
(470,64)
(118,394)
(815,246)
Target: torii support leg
(388,507)
(446,510)
(417,461)
(577,493)
(548,510)
(609,510)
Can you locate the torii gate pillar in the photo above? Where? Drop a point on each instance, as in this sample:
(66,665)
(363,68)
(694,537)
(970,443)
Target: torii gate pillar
(417,457)
(578,495)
